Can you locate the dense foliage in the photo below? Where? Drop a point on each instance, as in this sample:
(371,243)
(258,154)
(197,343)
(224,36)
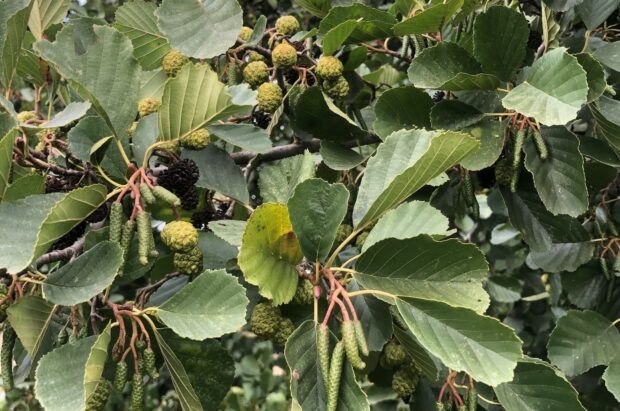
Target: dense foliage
(317,205)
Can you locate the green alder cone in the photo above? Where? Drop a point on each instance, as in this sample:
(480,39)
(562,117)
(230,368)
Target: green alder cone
(98,399)
(343,231)
(189,263)
(336,88)
(361,239)
(120,376)
(394,354)
(147,194)
(256,73)
(284,56)
(350,345)
(361,338)
(149,363)
(287,25)
(116,222)
(180,236)
(137,393)
(329,67)
(167,196)
(335,373)
(404,380)
(503,172)
(322,344)
(269,97)
(304,295)
(144,231)
(6,356)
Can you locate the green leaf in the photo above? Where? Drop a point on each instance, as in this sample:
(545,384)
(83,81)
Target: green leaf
(595,75)
(582,340)
(429,20)
(554,89)
(200,29)
(372,313)
(6,159)
(96,362)
(595,12)
(246,136)
(59,387)
(84,277)
(270,253)
(336,36)
(316,210)
(136,20)
(407,221)
(230,231)
(448,66)
(45,13)
(13,21)
(152,83)
(420,267)
(490,133)
(560,179)
(339,157)
(562,257)
(191,100)
(308,389)
(73,111)
(209,367)
(500,41)
(585,286)
(454,115)
(393,110)
(373,23)
(539,227)
(180,380)
(405,162)
(606,112)
(277,181)
(319,8)
(611,376)
(212,305)
(481,346)
(538,386)
(25,186)
(144,137)
(106,74)
(89,133)
(50,216)
(318,115)
(609,55)
(219,172)
(562,5)
(422,359)
(31,317)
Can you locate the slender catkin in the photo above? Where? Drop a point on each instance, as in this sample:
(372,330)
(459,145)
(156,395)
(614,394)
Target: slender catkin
(362,344)
(6,356)
(472,400)
(128,229)
(335,372)
(350,345)
(604,267)
(322,344)
(540,145)
(116,222)
(516,159)
(468,188)
(167,196)
(149,363)
(144,231)
(147,194)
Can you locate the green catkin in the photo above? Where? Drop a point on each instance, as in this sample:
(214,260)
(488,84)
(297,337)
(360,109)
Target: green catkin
(516,159)
(153,253)
(167,196)
(604,267)
(612,229)
(128,229)
(472,400)
(335,372)
(362,344)
(439,406)
(616,266)
(144,231)
(120,377)
(540,144)
(147,194)
(468,188)
(322,343)
(6,356)
(62,337)
(149,363)
(137,393)
(350,345)
(116,222)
